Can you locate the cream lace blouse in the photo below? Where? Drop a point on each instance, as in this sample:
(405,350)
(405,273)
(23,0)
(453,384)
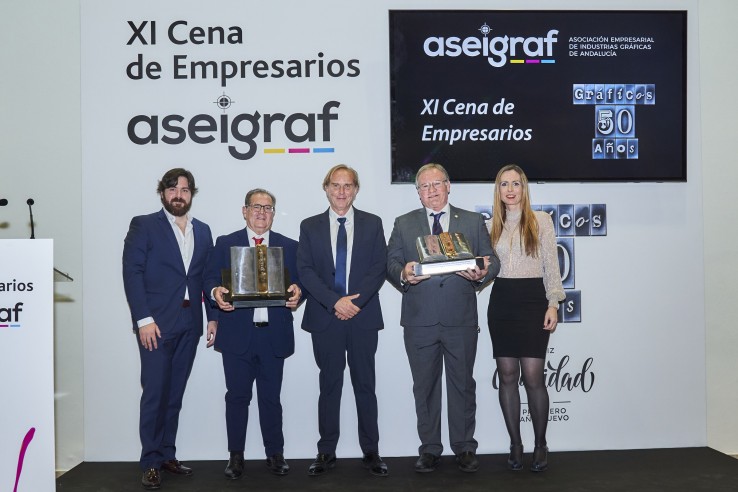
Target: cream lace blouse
(516,264)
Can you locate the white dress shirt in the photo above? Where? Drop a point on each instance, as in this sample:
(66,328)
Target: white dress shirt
(349,224)
(261,315)
(445,218)
(186,242)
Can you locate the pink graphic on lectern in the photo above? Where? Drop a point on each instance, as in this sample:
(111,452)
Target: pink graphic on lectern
(22,454)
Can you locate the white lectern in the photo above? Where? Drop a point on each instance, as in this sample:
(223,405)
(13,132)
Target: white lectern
(27,365)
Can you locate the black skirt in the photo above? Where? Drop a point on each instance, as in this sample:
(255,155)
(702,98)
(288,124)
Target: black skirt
(517,307)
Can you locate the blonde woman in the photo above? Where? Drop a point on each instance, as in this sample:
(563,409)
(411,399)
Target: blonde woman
(523,308)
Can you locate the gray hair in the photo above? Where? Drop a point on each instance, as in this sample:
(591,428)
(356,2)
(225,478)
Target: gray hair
(428,167)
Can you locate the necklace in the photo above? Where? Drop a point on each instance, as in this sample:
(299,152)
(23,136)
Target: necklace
(510,250)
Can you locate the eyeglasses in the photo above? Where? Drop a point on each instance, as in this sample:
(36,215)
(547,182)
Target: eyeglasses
(432,184)
(256,207)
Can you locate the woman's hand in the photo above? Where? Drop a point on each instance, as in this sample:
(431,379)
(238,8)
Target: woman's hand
(551,319)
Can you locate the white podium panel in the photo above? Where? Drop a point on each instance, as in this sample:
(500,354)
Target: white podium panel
(26,365)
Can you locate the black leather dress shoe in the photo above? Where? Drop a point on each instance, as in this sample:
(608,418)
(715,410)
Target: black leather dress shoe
(515,460)
(427,463)
(323,462)
(540,459)
(234,469)
(174,466)
(278,465)
(374,463)
(151,480)
(467,461)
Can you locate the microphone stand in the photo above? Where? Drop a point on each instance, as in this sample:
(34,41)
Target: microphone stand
(30,211)
(59,276)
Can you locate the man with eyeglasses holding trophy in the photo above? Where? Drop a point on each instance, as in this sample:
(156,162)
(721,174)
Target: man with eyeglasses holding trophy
(253,341)
(439,316)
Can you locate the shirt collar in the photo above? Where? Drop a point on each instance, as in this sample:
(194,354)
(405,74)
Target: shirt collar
(171,218)
(446,208)
(252,234)
(349,215)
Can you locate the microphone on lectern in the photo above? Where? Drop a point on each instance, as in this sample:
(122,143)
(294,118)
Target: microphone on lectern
(30,211)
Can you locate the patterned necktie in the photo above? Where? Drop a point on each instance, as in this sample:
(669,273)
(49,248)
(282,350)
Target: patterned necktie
(437,229)
(261,315)
(341,253)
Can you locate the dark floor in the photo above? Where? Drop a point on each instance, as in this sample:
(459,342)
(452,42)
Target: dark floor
(674,470)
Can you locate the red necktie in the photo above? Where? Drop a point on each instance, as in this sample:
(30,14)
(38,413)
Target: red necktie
(258,240)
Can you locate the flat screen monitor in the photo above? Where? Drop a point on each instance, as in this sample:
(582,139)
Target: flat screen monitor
(567,95)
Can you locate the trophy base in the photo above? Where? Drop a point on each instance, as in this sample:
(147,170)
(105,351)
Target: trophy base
(252,299)
(446,267)
(256,302)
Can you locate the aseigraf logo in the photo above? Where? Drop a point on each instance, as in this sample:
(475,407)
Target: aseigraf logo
(497,49)
(10,316)
(279,133)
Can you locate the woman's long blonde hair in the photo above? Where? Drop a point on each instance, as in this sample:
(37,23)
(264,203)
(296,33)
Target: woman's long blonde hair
(528,222)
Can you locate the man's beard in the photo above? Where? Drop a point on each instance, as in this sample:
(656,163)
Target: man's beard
(176,206)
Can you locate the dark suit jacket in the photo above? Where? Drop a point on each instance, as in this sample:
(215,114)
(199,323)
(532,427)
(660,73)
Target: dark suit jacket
(317,271)
(447,299)
(236,328)
(154,276)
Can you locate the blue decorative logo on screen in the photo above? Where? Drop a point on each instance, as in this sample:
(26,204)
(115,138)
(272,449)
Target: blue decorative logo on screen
(615,116)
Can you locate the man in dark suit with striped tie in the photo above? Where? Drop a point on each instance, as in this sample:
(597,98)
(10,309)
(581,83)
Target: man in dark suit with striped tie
(342,260)
(254,342)
(439,317)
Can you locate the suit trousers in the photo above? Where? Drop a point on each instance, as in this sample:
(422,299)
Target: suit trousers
(164,374)
(241,370)
(332,348)
(430,349)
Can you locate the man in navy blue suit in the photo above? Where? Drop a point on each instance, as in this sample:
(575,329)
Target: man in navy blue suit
(254,342)
(341,260)
(164,258)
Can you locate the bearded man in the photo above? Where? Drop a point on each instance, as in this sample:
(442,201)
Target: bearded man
(164,257)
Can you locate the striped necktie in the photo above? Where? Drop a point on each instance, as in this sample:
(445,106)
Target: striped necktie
(437,229)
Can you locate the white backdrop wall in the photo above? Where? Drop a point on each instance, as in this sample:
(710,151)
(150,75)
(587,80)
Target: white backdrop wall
(46,66)
(631,281)
(720,171)
(40,158)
